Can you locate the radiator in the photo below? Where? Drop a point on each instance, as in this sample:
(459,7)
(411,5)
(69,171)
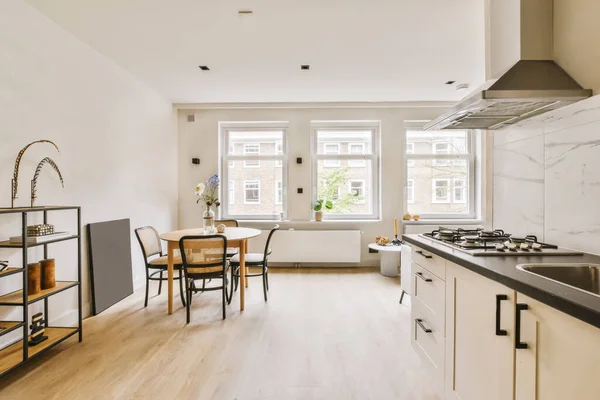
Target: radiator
(296,246)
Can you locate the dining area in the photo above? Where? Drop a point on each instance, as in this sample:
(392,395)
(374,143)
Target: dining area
(204,260)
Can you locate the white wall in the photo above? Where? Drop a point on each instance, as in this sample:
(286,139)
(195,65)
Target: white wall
(116,136)
(547,177)
(200,139)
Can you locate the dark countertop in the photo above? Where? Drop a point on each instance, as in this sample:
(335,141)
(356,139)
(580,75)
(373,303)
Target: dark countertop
(576,303)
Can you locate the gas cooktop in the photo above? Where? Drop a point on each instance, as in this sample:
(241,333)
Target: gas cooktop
(479,242)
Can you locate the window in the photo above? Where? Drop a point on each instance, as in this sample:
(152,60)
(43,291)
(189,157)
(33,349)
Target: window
(232,152)
(440,173)
(357,190)
(459,191)
(346,168)
(279,192)
(356,148)
(252,192)
(410,149)
(252,150)
(231,192)
(329,149)
(253,170)
(278,151)
(410,191)
(441,191)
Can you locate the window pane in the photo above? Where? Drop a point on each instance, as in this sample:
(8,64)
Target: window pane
(350,189)
(357,149)
(344,142)
(433,142)
(438,190)
(262,143)
(257,191)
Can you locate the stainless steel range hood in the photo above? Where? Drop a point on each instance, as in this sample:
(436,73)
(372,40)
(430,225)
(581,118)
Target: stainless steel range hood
(531,87)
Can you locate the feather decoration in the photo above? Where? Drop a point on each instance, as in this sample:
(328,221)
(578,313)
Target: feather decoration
(15,183)
(37,174)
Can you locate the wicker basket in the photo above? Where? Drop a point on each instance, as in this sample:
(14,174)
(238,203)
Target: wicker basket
(40,230)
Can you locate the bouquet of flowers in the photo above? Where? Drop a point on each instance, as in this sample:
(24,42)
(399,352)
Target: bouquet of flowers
(208,192)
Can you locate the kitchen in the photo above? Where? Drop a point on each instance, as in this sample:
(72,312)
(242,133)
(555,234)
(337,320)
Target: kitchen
(474,125)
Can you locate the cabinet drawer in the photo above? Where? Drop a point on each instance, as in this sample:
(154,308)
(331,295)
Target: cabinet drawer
(431,262)
(430,345)
(431,292)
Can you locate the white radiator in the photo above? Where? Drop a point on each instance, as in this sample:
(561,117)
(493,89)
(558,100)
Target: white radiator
(296,246)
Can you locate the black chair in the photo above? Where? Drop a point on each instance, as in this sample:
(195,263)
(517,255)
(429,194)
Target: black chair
(259,260)
(204,257)
(149,241)
(229,223)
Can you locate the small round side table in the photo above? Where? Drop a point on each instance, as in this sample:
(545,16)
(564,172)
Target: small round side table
(390,258)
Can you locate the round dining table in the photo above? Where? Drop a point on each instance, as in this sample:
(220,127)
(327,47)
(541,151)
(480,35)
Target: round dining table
(237,237)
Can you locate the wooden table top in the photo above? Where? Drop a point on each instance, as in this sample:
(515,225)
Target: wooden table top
(232,233)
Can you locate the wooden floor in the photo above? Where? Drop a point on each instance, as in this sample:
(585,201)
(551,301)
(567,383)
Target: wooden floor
(324,334)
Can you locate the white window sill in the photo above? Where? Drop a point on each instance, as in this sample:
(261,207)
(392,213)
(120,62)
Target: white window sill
(466,221)
(328,221)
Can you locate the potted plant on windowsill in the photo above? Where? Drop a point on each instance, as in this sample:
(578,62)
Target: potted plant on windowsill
(319,208)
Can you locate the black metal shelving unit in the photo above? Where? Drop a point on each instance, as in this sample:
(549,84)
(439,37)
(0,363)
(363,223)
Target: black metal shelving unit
(19,352)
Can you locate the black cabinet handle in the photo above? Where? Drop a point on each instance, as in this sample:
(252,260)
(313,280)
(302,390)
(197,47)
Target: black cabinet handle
(518,343)
(499,298)
(420,275)
(424,255)
(420,323)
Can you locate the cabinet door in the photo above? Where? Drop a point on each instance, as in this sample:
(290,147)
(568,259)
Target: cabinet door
(479,359)
(562,357)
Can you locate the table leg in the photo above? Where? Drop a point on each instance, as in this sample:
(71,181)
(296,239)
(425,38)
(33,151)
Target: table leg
(170,268)
(389,263)
(242,272)
(246,250)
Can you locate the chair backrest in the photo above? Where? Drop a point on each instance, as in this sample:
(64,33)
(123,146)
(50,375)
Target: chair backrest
(230,223)
(201,255)
(149,241)
(268,244)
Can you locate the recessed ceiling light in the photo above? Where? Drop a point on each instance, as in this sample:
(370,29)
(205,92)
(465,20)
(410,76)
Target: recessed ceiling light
(305,67)
(204,68)
(450,82)
(245,12)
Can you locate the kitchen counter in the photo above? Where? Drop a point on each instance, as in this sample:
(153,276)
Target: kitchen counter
(576,303)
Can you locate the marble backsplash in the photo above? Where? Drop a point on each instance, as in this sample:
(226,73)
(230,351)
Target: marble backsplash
(547,177)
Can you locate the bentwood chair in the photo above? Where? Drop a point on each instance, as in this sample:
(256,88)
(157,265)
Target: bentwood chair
(229,223)
(149,241)
(259,260)
(204,257)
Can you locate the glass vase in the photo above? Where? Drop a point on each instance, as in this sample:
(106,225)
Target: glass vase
(209,221)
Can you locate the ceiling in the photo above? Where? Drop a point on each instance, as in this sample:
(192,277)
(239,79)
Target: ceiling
(358,50)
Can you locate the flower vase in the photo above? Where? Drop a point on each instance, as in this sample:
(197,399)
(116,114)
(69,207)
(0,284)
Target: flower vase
(209,221)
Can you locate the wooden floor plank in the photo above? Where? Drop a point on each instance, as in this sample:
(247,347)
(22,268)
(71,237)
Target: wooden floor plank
(324,334)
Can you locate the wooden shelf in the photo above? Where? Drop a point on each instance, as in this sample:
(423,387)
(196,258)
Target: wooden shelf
(10,271)
(12,355)
(9,326)
(8,245)
(16,298)
(17,210)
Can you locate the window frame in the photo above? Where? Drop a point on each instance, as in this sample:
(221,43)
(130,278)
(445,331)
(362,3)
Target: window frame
(374,156)
(463,188)
(246,182)
(472,157)
(228,127)
(231,193)
(277,190)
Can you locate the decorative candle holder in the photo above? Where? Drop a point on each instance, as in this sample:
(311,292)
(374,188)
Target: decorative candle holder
(396,241)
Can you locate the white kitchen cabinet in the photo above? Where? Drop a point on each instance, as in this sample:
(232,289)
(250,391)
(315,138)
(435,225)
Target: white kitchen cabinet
(479,337)
(560,355)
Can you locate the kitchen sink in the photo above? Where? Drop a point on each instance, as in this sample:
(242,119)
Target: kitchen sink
(584,277)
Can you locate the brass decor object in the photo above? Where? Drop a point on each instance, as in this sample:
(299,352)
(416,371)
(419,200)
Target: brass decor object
(37,174)
(15,180)
(40,230)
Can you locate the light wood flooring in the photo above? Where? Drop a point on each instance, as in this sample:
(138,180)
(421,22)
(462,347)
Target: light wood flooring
(325,334)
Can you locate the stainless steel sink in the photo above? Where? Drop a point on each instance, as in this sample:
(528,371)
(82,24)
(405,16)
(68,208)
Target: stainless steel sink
(585,277)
